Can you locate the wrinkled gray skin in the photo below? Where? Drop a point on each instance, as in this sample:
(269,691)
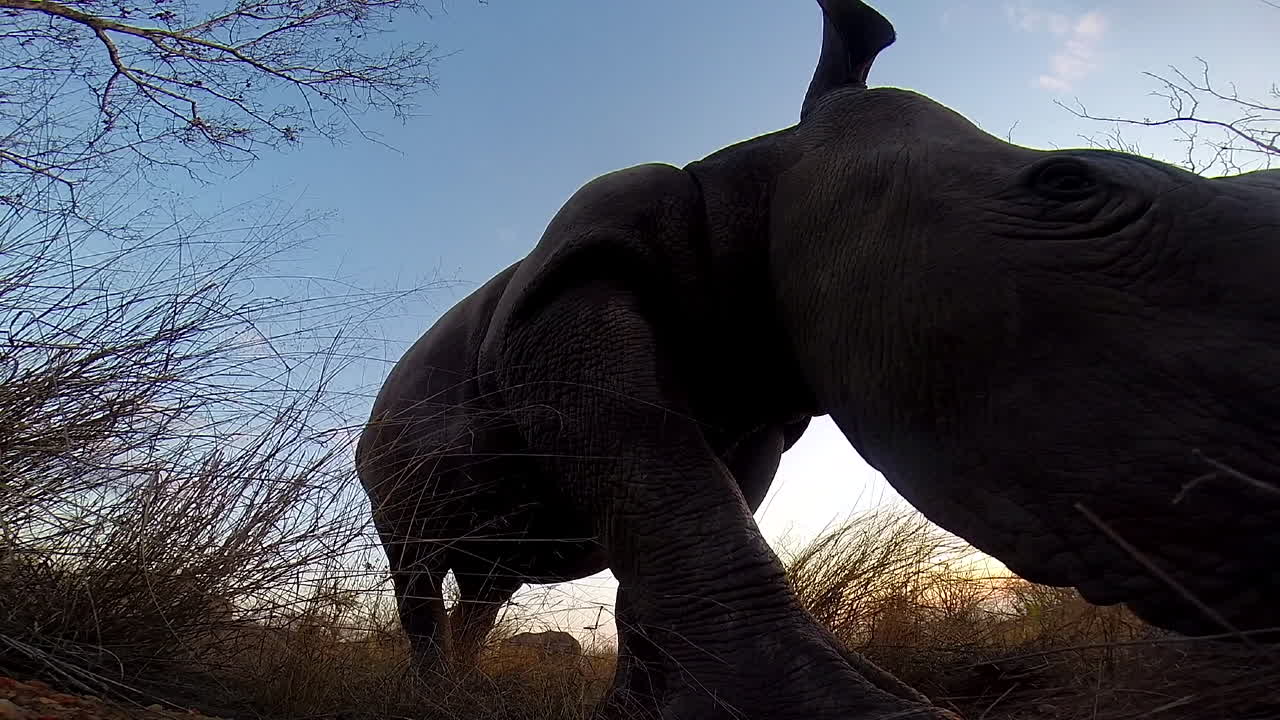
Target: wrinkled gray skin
(1047,353)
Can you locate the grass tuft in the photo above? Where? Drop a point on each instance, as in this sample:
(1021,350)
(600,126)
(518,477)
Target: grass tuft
(928,608)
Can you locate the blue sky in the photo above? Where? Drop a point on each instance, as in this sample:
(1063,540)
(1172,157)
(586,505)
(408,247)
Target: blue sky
(540,97)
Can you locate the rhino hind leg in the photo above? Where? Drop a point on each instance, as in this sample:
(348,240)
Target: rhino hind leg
(481,596)
(417,575)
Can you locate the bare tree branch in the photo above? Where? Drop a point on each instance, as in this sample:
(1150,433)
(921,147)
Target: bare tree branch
(1222,130)
(120,85)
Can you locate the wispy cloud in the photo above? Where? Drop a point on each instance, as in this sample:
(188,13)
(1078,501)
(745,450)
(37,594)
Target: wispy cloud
(1078,40)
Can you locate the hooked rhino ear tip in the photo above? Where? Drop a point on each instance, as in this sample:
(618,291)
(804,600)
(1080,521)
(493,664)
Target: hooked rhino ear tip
(852,35)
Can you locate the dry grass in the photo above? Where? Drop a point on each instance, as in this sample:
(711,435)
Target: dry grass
(179,518)
(352,664)
(179,522)
(920,604)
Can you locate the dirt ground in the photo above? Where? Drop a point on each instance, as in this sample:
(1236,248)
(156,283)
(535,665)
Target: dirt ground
(35,700)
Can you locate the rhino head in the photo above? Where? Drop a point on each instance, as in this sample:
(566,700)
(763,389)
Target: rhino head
(1070,358)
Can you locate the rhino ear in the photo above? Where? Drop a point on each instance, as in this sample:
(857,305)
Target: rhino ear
(852,35)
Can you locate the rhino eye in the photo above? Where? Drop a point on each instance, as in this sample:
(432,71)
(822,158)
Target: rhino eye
(1064,179)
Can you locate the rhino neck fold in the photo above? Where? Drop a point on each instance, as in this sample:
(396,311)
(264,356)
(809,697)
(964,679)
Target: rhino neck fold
(748,355)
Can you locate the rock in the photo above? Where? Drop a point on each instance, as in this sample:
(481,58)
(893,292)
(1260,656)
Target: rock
(552,642)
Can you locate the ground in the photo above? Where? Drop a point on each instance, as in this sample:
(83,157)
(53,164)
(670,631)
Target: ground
(34,700)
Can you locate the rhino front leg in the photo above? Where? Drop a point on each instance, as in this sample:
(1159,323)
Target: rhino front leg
(875,674)
(584,380)
(754,463)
